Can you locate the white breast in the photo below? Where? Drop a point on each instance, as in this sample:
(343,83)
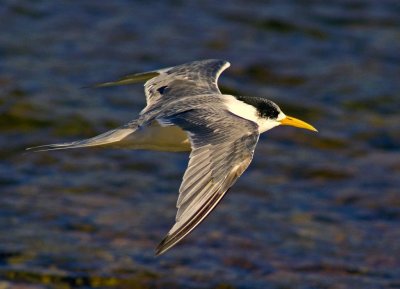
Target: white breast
(248,112)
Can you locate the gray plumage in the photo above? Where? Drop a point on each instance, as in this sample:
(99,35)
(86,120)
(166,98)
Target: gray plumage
(222,148)
(186,112)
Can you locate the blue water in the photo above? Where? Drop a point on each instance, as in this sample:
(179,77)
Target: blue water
(312,211)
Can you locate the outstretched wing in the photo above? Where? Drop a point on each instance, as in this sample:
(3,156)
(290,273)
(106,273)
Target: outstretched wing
(222,148)
(194,78)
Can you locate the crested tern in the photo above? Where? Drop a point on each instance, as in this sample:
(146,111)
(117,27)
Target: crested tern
(186,111)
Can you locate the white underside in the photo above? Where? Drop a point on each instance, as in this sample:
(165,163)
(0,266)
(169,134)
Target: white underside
(157,137)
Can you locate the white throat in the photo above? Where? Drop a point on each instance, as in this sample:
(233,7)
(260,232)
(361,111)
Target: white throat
(249,112)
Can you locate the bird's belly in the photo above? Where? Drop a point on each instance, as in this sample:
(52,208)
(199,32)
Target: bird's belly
(156,137)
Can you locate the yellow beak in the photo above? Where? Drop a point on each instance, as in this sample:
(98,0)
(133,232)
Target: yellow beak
(288,120)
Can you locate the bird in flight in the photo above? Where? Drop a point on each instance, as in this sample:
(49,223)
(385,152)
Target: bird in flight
(186,111)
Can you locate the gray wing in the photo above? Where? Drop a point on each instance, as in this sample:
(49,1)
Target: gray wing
(222,148)
(194,78)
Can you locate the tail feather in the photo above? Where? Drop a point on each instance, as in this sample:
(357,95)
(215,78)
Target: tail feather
(104,138)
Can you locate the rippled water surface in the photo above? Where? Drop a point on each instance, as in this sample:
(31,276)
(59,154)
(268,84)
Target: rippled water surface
(312,211)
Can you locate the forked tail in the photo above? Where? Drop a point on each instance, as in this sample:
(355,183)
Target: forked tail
(102,139)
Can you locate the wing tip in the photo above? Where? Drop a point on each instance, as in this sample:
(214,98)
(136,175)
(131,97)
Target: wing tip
(222,62)
(163,246)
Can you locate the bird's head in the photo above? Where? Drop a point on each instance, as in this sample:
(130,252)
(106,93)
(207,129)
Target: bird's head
(269,115)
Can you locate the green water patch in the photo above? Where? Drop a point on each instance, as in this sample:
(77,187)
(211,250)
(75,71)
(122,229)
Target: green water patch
(22,117)
(261,73)
(30,12)
(74,125)
(140,279)
(307,113)
(384,104)
(125,279)
(325,174)
(328,143)
(383,140)
(278,25)
(229,90)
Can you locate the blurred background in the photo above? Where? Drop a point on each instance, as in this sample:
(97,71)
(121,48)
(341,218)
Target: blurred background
(312,211)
